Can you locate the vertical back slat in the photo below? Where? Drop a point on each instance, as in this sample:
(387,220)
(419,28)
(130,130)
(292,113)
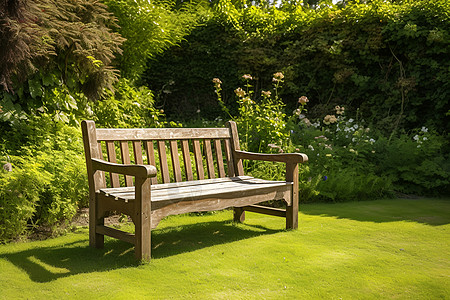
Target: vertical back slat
(198,160)
(99,144)
(220,167)
(151,158)
(238,166)
(137,149)
(111,152)
(175,160)
(209,158)
(125,153)
(163,161)
(187,160)
(229,158)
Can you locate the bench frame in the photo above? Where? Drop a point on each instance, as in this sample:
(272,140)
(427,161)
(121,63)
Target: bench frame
(146,214)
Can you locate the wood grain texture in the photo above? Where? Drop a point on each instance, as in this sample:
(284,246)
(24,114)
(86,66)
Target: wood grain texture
(229,158)
(111,152)
(125,154)
(137,151)
(292,208)
(175,160)
(163,161)
(187,160)
(219,158)
(198,160)
(151,157)
(238,166)
(138,134)
(280,157)
(209,159)
(94,180)
(142,219)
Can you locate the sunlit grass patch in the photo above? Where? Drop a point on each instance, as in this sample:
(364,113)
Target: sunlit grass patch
(360,250)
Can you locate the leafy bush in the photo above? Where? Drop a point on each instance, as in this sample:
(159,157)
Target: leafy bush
(48,178)
(128,107)
(389,59)
(20,191)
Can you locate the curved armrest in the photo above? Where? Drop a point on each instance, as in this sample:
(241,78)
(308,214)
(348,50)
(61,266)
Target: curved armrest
(132,170)
(280,157)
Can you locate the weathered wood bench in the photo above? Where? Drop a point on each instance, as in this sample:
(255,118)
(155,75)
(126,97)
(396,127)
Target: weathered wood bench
(147,194)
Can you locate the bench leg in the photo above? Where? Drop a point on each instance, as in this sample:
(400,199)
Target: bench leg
(142,211)
(95,240)
(292,210)
(239,215)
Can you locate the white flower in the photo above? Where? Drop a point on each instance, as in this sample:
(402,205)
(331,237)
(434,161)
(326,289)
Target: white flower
(416,137)
(372,141)
(356,126)
(311,147)
(350,120)
(424,129)
(425,138)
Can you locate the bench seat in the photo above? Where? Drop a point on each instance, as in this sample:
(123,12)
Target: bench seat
(203,195)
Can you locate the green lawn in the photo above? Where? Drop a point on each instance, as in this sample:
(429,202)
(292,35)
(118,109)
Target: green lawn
(386,249)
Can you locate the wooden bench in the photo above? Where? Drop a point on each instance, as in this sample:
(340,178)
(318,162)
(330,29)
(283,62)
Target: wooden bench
(149,185)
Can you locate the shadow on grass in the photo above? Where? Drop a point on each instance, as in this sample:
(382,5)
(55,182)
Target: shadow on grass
(44,264)
(432,212)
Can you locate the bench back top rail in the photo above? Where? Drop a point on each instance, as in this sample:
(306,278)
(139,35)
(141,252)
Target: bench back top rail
(179,154)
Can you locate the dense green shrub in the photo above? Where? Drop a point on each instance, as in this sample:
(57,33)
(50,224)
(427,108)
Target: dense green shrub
(21,190)
(387,59)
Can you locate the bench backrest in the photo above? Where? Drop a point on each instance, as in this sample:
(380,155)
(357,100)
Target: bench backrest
(180,154)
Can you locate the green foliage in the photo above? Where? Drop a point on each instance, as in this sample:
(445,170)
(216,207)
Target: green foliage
(71,43)
(389,59)
(20,192)
(128,107)
(417,163)
(150,28)
(49,177)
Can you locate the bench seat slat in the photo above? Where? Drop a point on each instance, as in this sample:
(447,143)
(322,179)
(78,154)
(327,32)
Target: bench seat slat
(176,184)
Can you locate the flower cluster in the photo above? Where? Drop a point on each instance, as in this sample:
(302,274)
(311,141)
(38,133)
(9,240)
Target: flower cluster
(303,100)
(266,94)
(247,77)
(217,82)
(277,77)
(329,119)
(339,110)
(421,136)
(239,92)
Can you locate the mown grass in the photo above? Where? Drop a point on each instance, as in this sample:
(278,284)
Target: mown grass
(385,249)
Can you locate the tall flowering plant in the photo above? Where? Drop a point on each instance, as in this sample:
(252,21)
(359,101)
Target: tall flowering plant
(261,119)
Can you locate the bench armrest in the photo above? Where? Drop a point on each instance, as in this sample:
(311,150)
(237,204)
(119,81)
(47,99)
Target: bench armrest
(279,157)
(144,171)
